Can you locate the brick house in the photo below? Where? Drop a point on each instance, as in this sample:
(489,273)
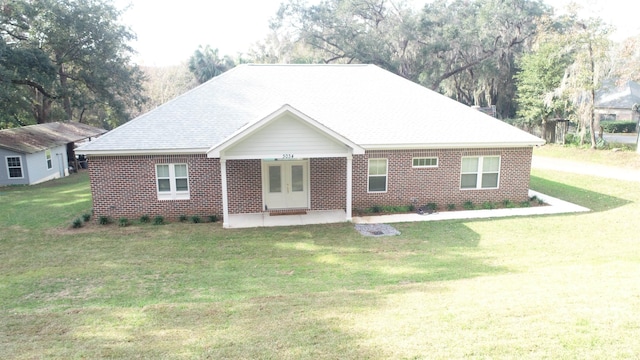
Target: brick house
(264,138)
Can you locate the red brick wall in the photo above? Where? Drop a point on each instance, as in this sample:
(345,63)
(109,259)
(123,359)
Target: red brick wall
(124,186)
(328,183)
(244,186)
(440,185)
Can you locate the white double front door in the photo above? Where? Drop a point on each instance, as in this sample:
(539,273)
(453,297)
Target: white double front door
(285,184)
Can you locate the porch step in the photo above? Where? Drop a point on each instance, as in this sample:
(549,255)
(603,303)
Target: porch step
(287,212)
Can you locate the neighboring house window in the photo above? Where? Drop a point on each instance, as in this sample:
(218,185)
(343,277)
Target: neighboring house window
(172,181)
(377,175)
(14,167)
(47,154)
(425,162)
(480,172)
(608,117)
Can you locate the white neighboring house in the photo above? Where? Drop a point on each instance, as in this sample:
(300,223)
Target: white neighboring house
(37,153)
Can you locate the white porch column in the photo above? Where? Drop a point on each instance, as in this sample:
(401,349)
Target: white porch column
(349,185)
(225,198)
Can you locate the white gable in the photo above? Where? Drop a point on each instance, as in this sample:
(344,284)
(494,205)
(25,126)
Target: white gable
(285,134)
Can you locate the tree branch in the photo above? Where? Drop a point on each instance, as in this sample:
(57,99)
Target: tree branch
(35,86)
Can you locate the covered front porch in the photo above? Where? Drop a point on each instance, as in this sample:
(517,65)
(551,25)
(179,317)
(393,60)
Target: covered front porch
(285,170)
(267,219)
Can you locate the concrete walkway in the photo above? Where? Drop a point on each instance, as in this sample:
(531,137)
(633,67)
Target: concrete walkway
(555,206)
(575,167)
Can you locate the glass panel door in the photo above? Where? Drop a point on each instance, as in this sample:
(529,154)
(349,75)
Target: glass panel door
(297,178)
(275,179)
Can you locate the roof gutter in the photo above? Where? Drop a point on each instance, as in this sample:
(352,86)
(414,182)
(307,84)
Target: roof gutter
(141,152)
(466,145)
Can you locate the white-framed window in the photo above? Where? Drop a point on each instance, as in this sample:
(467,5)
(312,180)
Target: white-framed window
(172,181)
(480,172)
(47,155)
(377,179)
(14,167)
(425,162)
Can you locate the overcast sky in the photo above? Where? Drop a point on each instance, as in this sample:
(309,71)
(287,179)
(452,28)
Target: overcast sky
(170,31)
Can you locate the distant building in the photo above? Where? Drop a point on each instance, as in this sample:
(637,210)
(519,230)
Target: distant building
(37,153)
(489,110)
(618,103)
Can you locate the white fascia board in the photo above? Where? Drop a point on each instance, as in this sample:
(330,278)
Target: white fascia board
(140,152)
(279,156)
(452,145)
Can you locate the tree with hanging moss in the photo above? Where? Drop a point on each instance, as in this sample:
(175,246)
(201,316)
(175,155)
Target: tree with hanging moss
(541,72)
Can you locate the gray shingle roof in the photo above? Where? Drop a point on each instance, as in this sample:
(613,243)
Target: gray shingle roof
(33,138)
(618,97)
(366,104)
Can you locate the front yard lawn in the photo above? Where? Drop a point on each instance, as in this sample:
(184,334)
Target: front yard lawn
(556,287)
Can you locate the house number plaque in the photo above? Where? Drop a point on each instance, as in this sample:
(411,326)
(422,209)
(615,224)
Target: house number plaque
(287,156)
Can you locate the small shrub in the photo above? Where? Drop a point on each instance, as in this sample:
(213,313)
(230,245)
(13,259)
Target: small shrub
(540,202)
(213,218)
(533,198)
(144,219)
(196,219)
(182,218)
(525,204)
(431,207)
(468,205)
(487,205)
(451,207)
(86,217)
(158,220)
(123,221)
(104,220)
(397,209)
(376,209)
(411,208)
(77,223)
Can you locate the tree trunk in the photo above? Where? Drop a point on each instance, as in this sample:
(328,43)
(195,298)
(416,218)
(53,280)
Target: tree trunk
(66,100)
(592,116)
(41,107)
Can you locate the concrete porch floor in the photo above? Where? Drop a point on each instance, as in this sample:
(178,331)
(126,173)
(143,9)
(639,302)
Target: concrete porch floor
(239,221)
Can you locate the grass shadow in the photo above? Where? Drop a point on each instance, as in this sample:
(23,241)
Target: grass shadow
(590,199)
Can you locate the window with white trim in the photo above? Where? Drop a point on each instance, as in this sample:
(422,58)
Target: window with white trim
(425,162)
(14,167)
(480,172)
(377,178)
(47,155)
(172,181)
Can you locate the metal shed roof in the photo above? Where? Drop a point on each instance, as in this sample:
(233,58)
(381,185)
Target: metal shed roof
(33,138)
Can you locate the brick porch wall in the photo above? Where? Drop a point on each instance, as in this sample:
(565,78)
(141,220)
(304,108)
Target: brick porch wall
(124,186)
(441,185)
(244,186)
(328,183)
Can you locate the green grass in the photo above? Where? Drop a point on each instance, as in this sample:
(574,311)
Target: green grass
(558,287)
(625,159)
